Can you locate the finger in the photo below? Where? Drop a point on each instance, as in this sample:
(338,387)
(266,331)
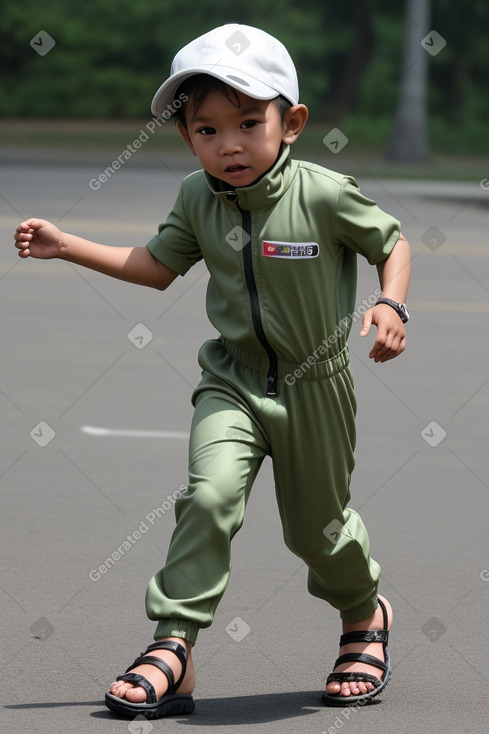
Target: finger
(366,323)
(382,354)
(395,351)
(22,246)
(383,345)
(378,343)
(23,240)
(397,347)
(33,224)
(26,226)
(394,345)
(22,237)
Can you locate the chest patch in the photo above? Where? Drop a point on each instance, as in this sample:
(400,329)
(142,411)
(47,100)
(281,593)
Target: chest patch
(290,250)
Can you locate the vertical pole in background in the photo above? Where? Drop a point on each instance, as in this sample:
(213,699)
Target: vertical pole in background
(409,138)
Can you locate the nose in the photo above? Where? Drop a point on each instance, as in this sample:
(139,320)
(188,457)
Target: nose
(229,145)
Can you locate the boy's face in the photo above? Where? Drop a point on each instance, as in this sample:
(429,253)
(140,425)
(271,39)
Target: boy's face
(234,144)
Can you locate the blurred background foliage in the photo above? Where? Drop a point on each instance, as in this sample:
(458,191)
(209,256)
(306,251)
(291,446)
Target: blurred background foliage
(111,55)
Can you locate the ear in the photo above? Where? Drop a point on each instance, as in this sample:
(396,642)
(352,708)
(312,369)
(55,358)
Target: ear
(294,122)
(184,133)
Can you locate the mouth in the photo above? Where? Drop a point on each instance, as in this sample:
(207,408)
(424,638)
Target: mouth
(236,169)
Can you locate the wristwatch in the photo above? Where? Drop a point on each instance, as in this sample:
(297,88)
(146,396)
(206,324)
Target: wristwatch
(400,308)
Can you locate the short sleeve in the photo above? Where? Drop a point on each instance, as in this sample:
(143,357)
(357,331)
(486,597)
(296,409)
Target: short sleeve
(362,226)
(176,245)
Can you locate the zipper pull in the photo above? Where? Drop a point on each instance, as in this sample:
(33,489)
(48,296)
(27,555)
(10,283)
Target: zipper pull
(272,391)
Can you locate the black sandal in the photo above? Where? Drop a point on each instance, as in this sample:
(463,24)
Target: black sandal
(353,657)
(171,703)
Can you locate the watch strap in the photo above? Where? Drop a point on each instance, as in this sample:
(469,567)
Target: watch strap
(399,308)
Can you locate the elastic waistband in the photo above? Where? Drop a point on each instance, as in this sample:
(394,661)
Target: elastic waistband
(310,369)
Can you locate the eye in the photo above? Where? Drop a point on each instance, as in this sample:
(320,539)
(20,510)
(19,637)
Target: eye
(207,131)
(249,123)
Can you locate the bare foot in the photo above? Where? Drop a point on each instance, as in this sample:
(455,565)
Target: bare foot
(356,688)
(137,694)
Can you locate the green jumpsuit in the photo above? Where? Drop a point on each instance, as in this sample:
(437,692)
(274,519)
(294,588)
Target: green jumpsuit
(281,254)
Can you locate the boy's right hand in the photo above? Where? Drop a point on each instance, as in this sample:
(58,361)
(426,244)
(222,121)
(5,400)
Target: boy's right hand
(38,238)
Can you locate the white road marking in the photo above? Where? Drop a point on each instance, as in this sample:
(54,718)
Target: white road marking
(132,433)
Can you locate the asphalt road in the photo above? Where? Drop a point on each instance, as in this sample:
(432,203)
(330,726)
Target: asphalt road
(81,352)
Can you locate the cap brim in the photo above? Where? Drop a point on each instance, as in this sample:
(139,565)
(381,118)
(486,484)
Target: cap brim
(164,97)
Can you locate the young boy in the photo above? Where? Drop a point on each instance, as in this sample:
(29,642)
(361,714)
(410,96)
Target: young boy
(280,239)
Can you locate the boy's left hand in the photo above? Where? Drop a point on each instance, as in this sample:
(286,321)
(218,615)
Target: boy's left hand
(391,335)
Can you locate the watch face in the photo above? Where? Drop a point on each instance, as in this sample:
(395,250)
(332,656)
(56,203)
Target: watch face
(404,312)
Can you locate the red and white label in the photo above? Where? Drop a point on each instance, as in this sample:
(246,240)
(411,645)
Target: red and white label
(290,250)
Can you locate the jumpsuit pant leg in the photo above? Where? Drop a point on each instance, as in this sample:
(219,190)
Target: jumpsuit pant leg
(226,450)
(312,444)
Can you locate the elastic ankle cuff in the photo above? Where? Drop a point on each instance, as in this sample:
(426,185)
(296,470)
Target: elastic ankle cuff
(364,611)
(177,628)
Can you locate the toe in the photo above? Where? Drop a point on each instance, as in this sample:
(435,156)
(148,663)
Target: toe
(333,689)
(123,689)
(136,694)
(118,688)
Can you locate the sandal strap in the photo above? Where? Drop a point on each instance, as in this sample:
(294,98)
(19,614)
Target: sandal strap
(179,651)
(158,663)
(364,636)
(355,657)
(171,646)
(384,613)
(350,677)
(175,647)
(140,680)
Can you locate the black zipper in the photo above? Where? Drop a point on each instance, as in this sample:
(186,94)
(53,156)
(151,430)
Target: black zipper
(272,381)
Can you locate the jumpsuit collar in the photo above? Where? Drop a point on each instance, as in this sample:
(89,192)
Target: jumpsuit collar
(264,192)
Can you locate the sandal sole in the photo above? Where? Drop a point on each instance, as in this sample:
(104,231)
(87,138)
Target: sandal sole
(171,705)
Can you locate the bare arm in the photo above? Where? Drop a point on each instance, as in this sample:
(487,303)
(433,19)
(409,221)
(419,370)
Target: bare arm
(40,239)
(394,274)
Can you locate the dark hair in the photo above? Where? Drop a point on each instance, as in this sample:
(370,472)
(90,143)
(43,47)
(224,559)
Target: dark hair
(199,86)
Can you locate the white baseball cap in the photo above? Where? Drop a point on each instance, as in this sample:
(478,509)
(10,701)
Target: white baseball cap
(246,58)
